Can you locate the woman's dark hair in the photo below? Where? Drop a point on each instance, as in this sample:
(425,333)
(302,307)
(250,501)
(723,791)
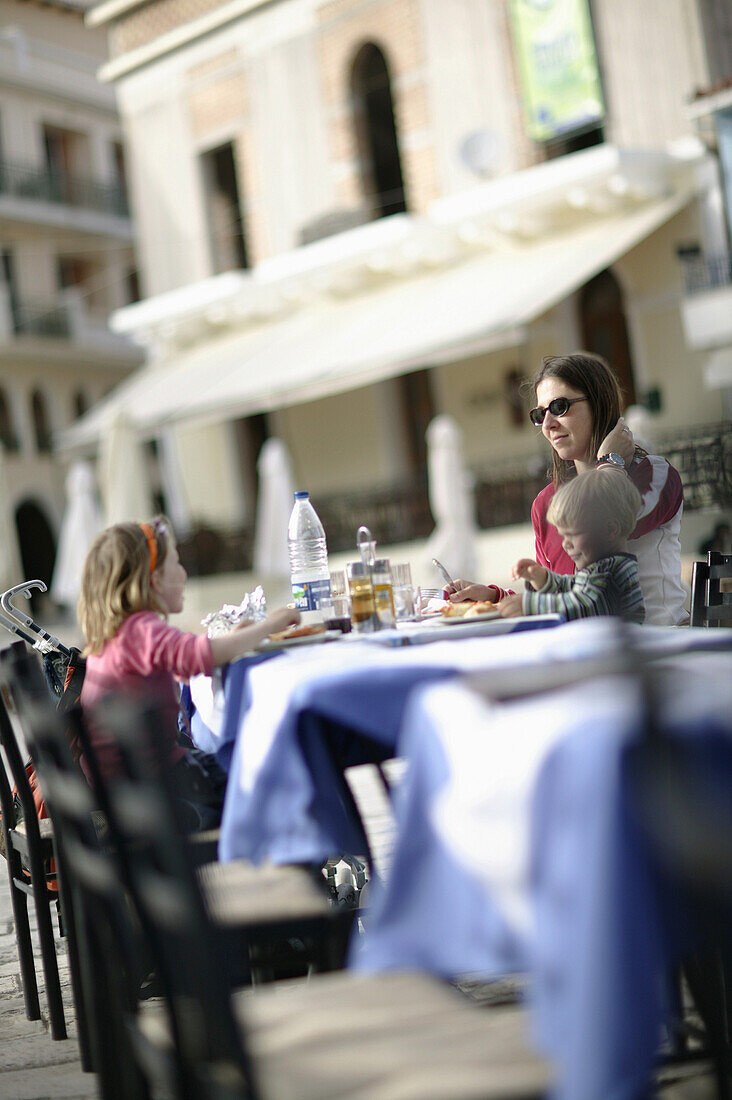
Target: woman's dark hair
(592,376)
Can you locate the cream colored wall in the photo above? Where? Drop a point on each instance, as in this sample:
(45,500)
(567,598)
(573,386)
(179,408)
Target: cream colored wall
(165,186)
(253,81)
(652,60)
(350,441)
(650,275)
(471,86)
(209,468)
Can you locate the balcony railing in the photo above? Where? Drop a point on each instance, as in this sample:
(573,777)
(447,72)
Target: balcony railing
(703,457)
(41,185)
(40,320)
(703,272)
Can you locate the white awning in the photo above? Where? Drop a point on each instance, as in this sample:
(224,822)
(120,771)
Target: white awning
(330,345)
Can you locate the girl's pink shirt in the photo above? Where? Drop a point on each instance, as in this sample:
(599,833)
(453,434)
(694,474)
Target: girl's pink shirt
(145,656)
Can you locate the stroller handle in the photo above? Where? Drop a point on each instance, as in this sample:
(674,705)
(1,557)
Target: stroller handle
(44,641)
(14,629)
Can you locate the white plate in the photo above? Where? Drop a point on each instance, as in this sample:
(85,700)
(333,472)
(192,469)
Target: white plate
(306,639)
(451,620)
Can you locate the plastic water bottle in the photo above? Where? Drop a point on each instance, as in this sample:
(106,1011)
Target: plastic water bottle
(309,573)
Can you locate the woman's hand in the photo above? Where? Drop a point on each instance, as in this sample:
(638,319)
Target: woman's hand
(620,441)
(526,569)
(460,591)
(511,607)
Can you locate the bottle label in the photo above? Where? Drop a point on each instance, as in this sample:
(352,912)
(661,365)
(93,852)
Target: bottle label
(308,594)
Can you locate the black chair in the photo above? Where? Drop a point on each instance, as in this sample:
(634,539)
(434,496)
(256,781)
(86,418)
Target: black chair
(273,920)
(113,960)
(711,591)
(395,1034)
(29,850)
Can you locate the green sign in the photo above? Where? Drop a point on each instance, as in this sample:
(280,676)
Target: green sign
(555,51)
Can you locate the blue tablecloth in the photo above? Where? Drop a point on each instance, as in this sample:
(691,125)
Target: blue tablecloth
(298,719)
(521,846)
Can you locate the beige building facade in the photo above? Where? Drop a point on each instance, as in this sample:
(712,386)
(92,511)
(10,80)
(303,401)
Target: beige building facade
(66,253)
(347,226)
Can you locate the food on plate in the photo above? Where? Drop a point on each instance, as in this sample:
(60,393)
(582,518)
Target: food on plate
(298,632)
(467,609)
(457,610)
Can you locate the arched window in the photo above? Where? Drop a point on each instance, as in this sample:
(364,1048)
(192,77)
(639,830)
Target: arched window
(376,134)
(36,542)
(8,437)
(604,330)
(41,425)
(80,404)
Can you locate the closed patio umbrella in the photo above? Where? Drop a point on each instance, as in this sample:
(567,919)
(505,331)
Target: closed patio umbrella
(451,500)
(274,505)
(81,523)
(124,476)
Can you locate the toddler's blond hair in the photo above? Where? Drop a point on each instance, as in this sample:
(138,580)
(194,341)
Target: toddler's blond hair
(116,579)
(593,499)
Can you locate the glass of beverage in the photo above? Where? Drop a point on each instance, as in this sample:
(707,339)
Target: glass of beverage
(363,608)
(336,611)
(338,584)
(403,591)
(383,592)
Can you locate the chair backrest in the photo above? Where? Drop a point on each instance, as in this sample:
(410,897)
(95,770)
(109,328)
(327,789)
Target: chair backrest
(711,591)
(114,962)
(147,822)
(12,736)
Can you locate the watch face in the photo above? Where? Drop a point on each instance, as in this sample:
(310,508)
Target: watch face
(616,459)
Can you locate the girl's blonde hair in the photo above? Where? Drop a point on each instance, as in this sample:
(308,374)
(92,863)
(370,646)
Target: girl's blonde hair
(593,499)
(116,578)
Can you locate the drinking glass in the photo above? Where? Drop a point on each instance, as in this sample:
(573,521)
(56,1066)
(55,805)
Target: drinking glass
(401,573)
(338,585)
(404,592)
(363,609)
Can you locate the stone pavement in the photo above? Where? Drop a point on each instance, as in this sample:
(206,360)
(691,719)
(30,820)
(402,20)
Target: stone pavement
(35,1067)
(32,1065)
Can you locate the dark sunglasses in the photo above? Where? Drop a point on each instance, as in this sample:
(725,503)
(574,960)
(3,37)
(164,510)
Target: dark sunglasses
(558,407)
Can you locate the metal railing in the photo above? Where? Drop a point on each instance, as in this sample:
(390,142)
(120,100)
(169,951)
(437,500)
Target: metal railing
(703,457)
(36,319)
(705,272)
(42,185)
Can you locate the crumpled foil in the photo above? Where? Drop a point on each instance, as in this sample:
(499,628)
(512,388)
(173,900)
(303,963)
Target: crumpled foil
(252,609)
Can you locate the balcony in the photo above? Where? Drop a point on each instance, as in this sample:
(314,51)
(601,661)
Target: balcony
(67,318)
(36,197)
(707,307)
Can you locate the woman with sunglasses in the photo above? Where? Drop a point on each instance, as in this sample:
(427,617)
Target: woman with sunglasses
(578,411)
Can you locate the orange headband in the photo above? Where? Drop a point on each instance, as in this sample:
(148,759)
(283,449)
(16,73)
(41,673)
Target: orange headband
(152,543)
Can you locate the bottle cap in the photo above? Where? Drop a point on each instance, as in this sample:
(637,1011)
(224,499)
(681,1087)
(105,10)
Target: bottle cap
(302,494)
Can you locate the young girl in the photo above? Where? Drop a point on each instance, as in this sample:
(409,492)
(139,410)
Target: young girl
(131,581)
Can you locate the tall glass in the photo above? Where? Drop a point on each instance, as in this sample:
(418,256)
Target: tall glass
(403,591)
(363,608)
(337,608)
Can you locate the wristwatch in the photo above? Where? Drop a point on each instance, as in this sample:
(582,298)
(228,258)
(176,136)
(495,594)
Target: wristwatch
(612,458)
